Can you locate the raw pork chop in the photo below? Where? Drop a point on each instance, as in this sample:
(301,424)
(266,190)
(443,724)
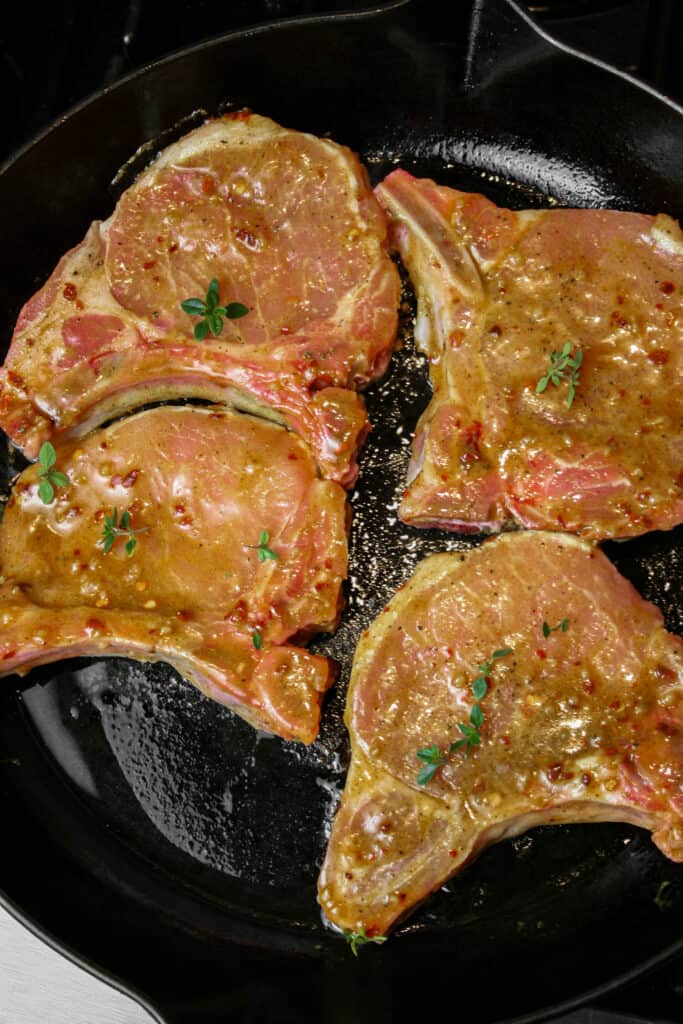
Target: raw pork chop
(200,590)
(498,292)
(288,226)
(582,721)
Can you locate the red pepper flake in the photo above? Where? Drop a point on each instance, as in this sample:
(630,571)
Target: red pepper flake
(589,685)
(348,875)
(456,338)
(659,356)
(184,615)
(70,292)
(148,264)
(505,740)
(452,853)
(293,457)
(618,319)
(645,400)
(130,479)
(15,379)
(285,330)
(540,653)
(586,778)
(495,330)
(94,626)
(8,654)
(208,185)
(667,287)
(554,771)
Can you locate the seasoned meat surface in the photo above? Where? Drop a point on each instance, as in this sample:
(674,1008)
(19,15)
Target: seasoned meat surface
(287,225)
(498,293)
(239,559)
(582,719)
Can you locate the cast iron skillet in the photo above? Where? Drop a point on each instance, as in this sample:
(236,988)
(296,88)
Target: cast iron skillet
(157,839)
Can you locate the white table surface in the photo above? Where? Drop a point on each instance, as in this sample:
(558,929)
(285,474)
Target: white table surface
(39,986)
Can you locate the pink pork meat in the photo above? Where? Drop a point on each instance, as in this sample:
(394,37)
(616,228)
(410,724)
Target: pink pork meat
(287,225)
(228,554)
(589,301)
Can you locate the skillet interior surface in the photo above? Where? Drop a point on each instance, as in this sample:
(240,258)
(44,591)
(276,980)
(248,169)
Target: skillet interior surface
(146,826)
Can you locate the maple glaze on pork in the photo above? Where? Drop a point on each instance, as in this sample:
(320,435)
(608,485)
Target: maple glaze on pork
(500,291)
(582,720)
(202,486)
(288,226)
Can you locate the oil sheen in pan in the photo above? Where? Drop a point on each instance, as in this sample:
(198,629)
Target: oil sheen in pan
(242,818)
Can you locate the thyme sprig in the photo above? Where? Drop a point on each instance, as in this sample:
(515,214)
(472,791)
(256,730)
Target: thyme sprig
(563,366)
(359,938)
(49,476)
(432,756)
(211,312)
(115,527)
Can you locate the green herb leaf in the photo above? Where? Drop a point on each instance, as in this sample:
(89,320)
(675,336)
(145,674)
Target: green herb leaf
(236,310)
(480,688)
(547,630)
(47,456)
(193,307)
(426,773)
(563,366)
(211,311)
(257,640)
(358,939)
(502,653)
(46,492)
(477,716)
(48,476)
(114,528)
(264,552)
(433,760)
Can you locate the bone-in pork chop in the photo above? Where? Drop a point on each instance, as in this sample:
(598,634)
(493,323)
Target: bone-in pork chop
(598,448)
(239,559)
(580,695)
(287,225)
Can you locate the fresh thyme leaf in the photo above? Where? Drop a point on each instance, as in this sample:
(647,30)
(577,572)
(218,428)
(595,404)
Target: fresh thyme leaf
(502,653)
(49,477)
(46,492)
(236,310)
(47,456)
(433,760)
(257,640)
(264,552)
(563,366)
(193,307)
(547,630)
(358,939)
(426,773)
(211,311)
(480,687)
(212,293)
(115,527)
(477,716)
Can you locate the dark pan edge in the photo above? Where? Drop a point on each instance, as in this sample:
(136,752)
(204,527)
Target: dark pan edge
(15,911)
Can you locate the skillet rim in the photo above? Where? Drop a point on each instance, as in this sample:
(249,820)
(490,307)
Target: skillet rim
(263,28)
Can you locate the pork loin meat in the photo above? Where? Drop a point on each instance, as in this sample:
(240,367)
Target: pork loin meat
(288,226)
(582,719)
(498,292)
(239,559)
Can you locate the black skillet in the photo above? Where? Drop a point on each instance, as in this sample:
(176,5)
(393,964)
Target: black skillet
(155,838)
